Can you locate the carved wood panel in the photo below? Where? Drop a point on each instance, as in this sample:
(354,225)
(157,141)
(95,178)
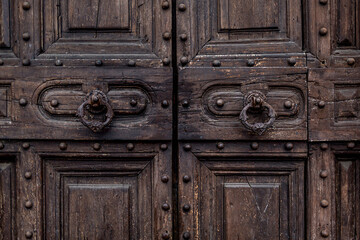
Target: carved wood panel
(230,190)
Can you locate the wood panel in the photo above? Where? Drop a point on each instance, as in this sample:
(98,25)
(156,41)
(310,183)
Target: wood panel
(236,194)
(226,31)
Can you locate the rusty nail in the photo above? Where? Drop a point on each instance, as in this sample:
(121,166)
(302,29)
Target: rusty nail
(187,147)
(182,7)
(324,146)
(26,5)
(165,206)
(220,145)
(166,35)
(131,63)
(183,37)
(97,146)
(98,63)
(26,36)
(58,63)
(63,146)
(165,5)
(254,145)
(165,178)
(186,235)
(130,146)
(350,61)
(324,174)
(289,146)
(184,60)
(185,103)
(165,103)
(27,175)
(28,234)
(166,61)
(186,178)
(351,145)
(324,203)
(323,31)
(216,63)
(250,62)
(26,62)
(186,208)
(321,104)
(28,204)
(324,233)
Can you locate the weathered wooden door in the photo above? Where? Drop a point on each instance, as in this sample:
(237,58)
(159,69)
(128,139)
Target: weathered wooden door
(179,119)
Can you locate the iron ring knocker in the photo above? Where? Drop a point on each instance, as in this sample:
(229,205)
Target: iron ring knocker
(256,100)
(95,102)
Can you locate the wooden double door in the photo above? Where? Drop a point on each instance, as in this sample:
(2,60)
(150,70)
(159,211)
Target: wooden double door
(179,119)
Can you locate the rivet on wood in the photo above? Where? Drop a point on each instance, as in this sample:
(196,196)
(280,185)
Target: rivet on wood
(323,31)
(165,235)
(254,145)
(133,102)
(54,103)
(166,35)
(186,178)
(165,5)
(185,103)
(321,104)
(350,61)
(324,203)
(292,61)
(26,62)
(130,146)
(28,234)
(165,207)
(165,178)
(163,147)
(220,102)
(96,146)
(324,174)
(28,204)
(25,145)
(183,37)
(63,146)
(323,2)
(187,147)
(216,63)
(2,145)
(250,62)
(184,60)
(26,5)
(131,63)
(186,208)
(22,102)
(1,62)
(182,7)
(26,36)
(324,233)
(165,103)
(27,175)
(186,235)
(289,146)
(350,145)
(324,146)
(98,63)
(220,145)
(288,104)
(166,61)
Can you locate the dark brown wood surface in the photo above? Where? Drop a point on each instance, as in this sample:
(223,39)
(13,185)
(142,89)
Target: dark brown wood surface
(179,119)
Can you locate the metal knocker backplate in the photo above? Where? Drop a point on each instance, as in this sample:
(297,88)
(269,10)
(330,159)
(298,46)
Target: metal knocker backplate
(256,100)
(96,112)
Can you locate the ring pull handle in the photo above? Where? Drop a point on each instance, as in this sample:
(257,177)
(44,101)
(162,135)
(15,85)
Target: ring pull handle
(95,112)
(255,100)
